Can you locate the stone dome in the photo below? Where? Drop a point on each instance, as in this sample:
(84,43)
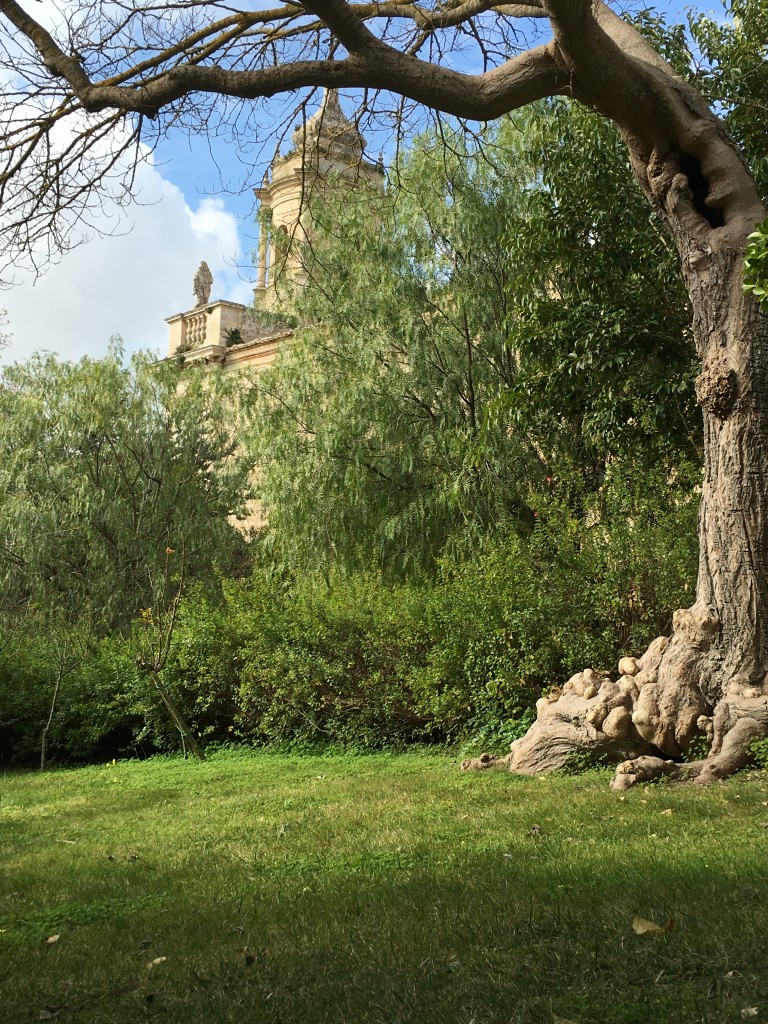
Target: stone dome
(328,128)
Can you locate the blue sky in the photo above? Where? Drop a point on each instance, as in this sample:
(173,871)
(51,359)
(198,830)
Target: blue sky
(198,204)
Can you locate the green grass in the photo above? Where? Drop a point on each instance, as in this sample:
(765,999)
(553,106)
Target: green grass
(387,889)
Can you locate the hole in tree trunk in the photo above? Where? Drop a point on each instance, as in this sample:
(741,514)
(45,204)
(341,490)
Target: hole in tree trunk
(699,185)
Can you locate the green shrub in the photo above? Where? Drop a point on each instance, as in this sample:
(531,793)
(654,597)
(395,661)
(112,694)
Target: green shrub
(365,661)
(331,661)
(759,751)
(98,713)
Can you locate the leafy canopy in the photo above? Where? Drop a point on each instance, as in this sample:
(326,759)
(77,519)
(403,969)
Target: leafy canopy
(115,484)
(477,334)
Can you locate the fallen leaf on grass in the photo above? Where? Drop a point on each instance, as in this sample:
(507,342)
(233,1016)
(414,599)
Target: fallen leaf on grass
(156,962)
(51,939)
(749,1011)
(642,926)
(668,811)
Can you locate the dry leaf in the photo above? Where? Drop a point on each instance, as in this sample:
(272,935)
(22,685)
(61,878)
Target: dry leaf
(642,926)
(156,962)
(749,1011)
(51,939)
(668,811)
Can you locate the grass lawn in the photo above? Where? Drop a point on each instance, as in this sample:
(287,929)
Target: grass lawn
(387,889)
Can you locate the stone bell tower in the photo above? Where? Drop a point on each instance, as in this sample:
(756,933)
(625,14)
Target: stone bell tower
(326,148)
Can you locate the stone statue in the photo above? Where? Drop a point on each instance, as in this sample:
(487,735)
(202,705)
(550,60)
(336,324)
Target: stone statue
(202,284)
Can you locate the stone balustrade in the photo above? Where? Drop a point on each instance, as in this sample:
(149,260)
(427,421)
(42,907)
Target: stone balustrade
(194,330)
(204,333)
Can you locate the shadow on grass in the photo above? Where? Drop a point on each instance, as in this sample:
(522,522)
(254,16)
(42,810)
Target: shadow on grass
(539,930)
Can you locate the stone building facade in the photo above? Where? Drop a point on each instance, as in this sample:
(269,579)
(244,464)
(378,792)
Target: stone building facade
(327,147)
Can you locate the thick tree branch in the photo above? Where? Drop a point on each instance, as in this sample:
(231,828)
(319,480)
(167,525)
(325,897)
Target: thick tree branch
(54,59)
(346,25)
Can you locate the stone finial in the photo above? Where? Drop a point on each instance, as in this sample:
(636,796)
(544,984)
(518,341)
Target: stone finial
(202,284)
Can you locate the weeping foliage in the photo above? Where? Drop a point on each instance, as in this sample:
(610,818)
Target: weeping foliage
(478,334)
(116,485)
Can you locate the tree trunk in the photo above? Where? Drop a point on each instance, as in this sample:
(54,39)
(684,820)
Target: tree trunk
(708,680)
(177,717)
(47,727)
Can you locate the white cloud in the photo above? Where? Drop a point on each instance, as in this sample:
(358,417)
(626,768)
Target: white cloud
(127,284)
(212,224)
(128,280)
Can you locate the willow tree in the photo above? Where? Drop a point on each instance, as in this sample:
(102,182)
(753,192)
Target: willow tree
(115,490)
(109,69)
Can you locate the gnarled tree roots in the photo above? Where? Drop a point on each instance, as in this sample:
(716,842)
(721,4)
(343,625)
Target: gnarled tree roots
(648,719)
